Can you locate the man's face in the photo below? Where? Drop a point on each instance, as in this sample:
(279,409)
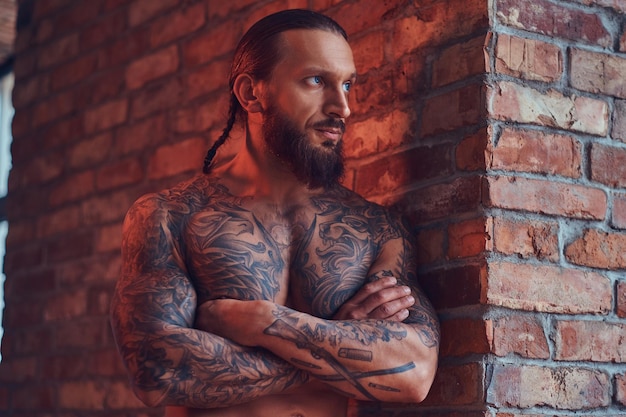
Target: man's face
(306,105)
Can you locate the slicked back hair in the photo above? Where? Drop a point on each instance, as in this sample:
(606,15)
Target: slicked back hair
(258,53)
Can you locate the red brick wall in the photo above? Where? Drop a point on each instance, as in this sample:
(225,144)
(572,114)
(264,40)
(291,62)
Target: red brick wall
(498,127)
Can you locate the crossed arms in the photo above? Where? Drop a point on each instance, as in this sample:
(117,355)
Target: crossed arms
(243,350)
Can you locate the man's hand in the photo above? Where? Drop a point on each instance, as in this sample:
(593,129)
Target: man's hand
(380,299)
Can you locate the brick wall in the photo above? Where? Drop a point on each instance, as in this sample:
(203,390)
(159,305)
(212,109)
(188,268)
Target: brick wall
(498,127)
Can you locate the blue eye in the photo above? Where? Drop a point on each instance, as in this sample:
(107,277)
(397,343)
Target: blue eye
(347,86)
(315,80)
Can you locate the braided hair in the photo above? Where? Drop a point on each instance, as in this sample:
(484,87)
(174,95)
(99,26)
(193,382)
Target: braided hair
(257,53)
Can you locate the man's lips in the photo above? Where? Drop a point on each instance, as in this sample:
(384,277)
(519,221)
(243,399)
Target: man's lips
(331,129)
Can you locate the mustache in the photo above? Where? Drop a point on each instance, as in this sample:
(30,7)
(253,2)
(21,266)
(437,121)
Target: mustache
(330,123)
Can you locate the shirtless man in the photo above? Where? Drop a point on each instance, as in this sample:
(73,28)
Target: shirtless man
(262,287)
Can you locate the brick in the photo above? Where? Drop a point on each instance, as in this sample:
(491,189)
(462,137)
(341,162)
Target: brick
(120,396)
(538,16)
(545,288)
(90,151)
(63,366)
(453,287)
(537,152)
(471,152)
(608,165)
(598,73)
(619,121)
(151,67)
(82,395)
(369,51)
(106,116)
(561,388)
(430,245)
(62,133)
(207,79)
(375,135)
(156,97)
(19,370)
(526,238)
(216,41)
(467,238)
(106,208)
(143,10)
(73,72)
(58,221)
(42,169)
(425,29)
(100,270)
(616,5)
(398,170)
(459,195)
(373,93)
(174,159)
(30,342)
(60,50)
(621,299)
(33,397)
(119,173)
(453,110)
(520,335)
(225,8)
(30,90)
(178,23)
(461,337)
(99,300)
(459,62)
(101,87)
(103,30)
(197,118)
(74,17)
(598,249)
(53,108)
(69,305)
(590,341)
(546,197)
(620,389)
(70,246)
(105,362)
(513,102)
(269,8)
(529,59)
(73,188)
(456,385)
(136,137)
(126,49)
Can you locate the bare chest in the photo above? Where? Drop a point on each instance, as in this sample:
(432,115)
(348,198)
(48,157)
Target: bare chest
(310,260)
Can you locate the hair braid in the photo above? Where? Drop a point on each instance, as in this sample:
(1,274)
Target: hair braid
(232,117)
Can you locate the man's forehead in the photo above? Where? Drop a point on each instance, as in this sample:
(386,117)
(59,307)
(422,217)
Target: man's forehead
(316,47)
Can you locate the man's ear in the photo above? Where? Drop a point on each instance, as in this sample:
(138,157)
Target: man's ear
(247,91)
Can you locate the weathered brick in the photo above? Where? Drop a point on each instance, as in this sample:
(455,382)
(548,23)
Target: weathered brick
(198,118)
(467,238)
(529,59)
(42,169)
(73,187)
(621,299)
(60,50)
(537,152)
(617,5)
(68,305)
(106,116)
(395,171)
(103,30)
(453,110)
(459,61)
(517,103)
(546,288)
(207,79)
(598,73)
(53,108)
(178,23)
(375,135)
(619,121)
(156,97)
(620,389)
(546,197)
(539,16)
(521,335)
(454,286)
(133,138)
(560,388)
(526,238)
(90,151)
(176,158)
(471,151)
(144,10)
(70,246)
(460,337)
(598,249)
(126,49)
(430,245)
(590,341)
(608,165)
(151,67)
(214,42)
(122,172)
(106,208)
(58,221)
(369,51)
(425,28)
(73,72)
(456,385)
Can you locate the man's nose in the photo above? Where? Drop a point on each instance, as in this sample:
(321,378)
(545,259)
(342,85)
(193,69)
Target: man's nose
(337,104)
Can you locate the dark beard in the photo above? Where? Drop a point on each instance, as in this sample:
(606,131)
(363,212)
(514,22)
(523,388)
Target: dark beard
(314,166)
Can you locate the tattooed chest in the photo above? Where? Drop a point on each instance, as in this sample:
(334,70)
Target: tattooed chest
(314,267)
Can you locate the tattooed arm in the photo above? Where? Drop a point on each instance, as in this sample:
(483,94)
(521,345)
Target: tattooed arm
(384,360)
(152,313)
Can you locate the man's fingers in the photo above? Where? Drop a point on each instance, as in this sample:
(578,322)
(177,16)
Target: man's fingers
(372,288)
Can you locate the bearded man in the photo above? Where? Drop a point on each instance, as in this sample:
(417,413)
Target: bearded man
(263,287)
